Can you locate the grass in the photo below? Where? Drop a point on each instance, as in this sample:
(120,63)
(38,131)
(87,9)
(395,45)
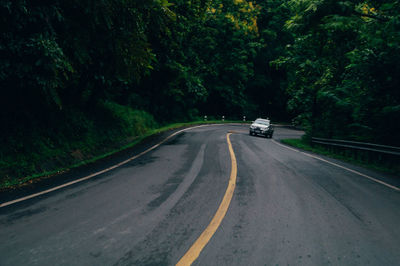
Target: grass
(8,183)
(301,144)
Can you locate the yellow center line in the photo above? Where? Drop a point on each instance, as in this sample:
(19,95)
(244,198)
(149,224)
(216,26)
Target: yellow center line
(193,253)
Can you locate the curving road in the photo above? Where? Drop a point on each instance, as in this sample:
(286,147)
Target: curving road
(287,208)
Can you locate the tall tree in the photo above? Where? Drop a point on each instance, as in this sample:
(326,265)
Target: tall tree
(340,81)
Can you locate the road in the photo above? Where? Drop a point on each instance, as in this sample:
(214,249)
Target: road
(287,208)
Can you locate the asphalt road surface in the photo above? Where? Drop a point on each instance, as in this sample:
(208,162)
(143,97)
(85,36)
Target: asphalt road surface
(287,208)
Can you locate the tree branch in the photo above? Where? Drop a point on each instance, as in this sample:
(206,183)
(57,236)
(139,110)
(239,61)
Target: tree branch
(382,19)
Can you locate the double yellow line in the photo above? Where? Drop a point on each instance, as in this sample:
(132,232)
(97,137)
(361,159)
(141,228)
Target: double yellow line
(193,253)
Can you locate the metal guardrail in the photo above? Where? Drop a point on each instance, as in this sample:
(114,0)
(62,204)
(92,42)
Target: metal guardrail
(358,146)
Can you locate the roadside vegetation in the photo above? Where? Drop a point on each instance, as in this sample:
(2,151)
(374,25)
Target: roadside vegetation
(359,158)
(44,162)
(83,78)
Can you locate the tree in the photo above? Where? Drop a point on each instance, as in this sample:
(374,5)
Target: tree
(340,81)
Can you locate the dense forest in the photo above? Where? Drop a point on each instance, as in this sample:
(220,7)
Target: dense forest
(80,75)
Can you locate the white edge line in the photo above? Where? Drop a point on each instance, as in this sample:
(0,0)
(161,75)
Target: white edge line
(287,147)
(340,166)
(4,204)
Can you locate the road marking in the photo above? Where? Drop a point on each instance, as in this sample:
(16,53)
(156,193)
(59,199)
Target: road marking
(238,131)
(4,204)
(343,167)
(287,147)
(193,253)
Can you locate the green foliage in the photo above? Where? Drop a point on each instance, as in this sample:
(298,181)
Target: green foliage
(342,69)
(71,70)
(364,159)
(79,137)
(132,122)
(175,59)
